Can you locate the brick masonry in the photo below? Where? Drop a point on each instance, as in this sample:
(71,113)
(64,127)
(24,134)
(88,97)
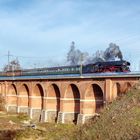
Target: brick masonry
(63,101)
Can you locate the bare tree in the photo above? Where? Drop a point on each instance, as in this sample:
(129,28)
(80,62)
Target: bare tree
(13,65)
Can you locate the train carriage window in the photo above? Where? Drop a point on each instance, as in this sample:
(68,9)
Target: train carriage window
(78,69)
(65,69)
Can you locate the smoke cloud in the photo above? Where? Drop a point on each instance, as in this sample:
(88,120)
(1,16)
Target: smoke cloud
(112,52)
(76,57)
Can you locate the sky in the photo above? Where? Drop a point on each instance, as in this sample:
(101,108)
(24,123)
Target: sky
(40,32)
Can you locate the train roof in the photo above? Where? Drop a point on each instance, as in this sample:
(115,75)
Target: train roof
(110,63)
(122,62)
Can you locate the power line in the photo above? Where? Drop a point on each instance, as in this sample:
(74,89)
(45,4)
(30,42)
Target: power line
(29,57)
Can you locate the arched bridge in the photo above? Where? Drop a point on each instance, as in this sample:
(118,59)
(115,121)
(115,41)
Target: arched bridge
(63,99)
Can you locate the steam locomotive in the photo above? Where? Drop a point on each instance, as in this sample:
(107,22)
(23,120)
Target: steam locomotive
(98,67)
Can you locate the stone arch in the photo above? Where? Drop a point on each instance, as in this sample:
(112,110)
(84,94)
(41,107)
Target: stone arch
(12,90)
(38,93)
(23,98)
(53,102)
(120,89)
(116,90)
(127,87)
(37,101)
(94,99)
(12,98)
(72,103)
(99,97)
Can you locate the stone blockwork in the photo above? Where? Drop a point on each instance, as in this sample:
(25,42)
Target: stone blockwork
(63,100)
(12,109)
(82,118)
(22,110)
(61,116)
(51,116)
(36,114)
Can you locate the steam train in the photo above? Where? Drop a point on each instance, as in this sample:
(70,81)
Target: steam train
(98,67)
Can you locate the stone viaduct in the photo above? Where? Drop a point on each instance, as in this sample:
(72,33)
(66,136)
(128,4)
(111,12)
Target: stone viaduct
(62,100)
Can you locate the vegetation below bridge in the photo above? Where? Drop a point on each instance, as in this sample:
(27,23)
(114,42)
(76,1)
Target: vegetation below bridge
(118,120)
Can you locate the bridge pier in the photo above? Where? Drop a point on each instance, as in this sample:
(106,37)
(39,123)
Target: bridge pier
(109,90)
(22,109)
(18,109)
(61,116)
(49,116)
(82,118)
(11,108)
(67,117)
(64,117)
(34,113)
(44,116)
(30,112)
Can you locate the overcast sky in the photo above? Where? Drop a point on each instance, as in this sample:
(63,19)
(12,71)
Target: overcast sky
(41,31)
